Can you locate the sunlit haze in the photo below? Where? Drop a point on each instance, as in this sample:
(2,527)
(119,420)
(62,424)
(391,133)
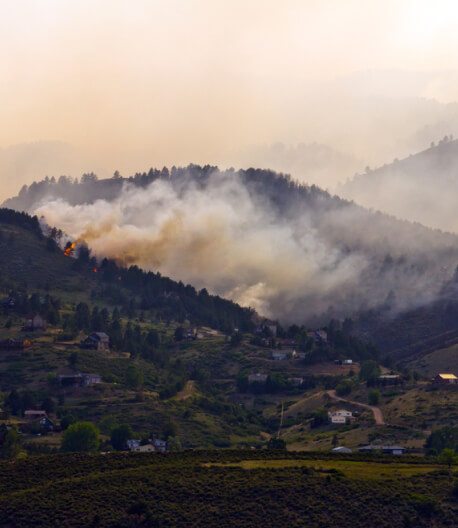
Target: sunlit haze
(131,84)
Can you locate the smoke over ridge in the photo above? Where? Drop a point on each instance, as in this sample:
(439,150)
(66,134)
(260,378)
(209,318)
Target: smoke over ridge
(287,257)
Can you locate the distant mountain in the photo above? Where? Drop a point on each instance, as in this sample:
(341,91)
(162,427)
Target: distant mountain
(291,251)
(421,188)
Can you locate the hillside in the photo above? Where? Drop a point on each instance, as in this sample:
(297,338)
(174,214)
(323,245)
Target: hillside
(196,389)
(233,232)
(421,188)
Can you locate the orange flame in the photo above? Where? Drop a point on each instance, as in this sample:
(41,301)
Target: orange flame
(95,270)
(69,250)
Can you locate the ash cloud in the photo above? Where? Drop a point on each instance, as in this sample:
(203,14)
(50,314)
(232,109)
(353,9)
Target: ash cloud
(288,251)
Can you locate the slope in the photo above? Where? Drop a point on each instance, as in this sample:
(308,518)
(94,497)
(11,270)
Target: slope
(421,188)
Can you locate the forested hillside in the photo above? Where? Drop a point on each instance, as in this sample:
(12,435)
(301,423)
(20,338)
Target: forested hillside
(231,232)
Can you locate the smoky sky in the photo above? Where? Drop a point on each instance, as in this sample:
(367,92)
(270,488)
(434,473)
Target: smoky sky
(152,83)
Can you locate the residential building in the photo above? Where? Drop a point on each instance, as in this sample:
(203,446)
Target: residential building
(34,323)
(97,341)
(446,379)
(340,417)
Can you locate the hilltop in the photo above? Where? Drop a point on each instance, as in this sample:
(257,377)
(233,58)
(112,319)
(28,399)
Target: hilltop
(234,232)
(420,188)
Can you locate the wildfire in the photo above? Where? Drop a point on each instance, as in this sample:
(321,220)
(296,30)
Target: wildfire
(95,270)
(69,250)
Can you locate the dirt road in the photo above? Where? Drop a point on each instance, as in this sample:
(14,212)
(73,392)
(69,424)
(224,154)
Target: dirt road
(378,416)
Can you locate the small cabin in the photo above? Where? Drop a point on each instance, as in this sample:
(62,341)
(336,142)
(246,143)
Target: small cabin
(97,341)
(445,379)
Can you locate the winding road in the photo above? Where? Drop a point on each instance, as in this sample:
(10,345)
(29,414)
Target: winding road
(378,416)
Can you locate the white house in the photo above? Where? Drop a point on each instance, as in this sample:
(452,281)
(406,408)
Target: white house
(279,354)
(340,417)
(147,448)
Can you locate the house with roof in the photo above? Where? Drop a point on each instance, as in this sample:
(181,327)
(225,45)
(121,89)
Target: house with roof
(147,448)
(37,419)
(389,379)
(267,328)
(91,379)
(34,323)
(445,379)
(77,379)
(33,414)
(387,450)
(190,333)
(340,417)
(69,379)
(159,445)
(97,341)
(133,444)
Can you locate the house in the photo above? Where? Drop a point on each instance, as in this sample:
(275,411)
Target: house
(147,448)
(159,445)
(279,354)
(319,336)
(347,362)
(15,344)
(393,450)
(190,333)
(91,379)
(37,421)
(341,449)
(34,323)
(445,379)
(69,379)
(97,341)
(296,381)
(34,415)
(267,327)
(387,450)
(77,379)
(133,444)
(340,417)
(257,378)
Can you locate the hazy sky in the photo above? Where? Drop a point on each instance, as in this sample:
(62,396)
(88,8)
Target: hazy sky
(136,83)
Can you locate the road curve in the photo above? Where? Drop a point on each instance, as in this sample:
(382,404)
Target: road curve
(378,416)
